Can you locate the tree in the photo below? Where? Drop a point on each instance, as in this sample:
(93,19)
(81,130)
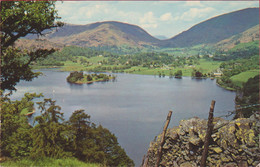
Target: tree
(171,74)
(96,144)
(15,131)
(178,74)
(75,76)
(18,19)
(197,73)
(249,95)
(47,135)
(80,126)
(114,154)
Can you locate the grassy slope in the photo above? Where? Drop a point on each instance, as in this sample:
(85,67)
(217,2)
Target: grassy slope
(72,162)
(241,78)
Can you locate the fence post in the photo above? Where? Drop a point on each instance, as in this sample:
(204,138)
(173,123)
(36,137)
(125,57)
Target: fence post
(208,135)
(163,139)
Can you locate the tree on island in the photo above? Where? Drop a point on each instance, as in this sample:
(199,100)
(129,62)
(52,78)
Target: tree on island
(178,74)
(75,76)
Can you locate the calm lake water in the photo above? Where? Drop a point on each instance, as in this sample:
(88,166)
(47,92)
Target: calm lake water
(134,107)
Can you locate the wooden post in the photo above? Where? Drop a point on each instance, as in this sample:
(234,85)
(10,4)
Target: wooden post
(143,160)
(163,139)
(208,135)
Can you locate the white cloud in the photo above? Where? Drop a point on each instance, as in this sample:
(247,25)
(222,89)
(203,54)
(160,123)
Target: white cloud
(193,13)
(151,25)
(148,18)
(157,17)
(93,10)
(166,17)
(193,3)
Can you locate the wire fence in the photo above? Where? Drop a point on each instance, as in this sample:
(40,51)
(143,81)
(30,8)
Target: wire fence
(229,113)
(232,112)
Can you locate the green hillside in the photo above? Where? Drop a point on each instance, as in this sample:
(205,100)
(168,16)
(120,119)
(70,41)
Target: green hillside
(216,29)
(243,77)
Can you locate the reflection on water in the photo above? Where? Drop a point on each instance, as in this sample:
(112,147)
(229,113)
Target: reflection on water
(135,106)
(75,86)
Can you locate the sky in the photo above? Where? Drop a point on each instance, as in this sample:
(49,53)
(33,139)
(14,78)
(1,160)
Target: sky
(167,18)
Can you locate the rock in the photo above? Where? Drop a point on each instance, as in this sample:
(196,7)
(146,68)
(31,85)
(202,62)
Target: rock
(242,164)
(216,149)
(234,143)
(173,133)
(232,164)
(256,163)
(186,158)
(195,140)
(188,164)
(175,164)
(250,161)
(225,158)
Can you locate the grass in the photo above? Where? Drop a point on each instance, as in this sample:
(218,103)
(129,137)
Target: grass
(24,111)
(71,66)
(205,65)
(156,71)
(96,59)
(68,162)
(208,66)
(243,77)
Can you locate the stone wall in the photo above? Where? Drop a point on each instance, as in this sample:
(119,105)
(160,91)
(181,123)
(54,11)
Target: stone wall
(234,143)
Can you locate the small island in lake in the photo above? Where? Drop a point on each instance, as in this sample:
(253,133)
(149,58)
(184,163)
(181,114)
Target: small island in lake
(80,78)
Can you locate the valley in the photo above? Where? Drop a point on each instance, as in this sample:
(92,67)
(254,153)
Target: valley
(113,46)
(125,79)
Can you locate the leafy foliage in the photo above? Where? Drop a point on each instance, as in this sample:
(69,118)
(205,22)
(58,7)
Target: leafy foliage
(52,137)
(75,76)
(15,130)
(18,20)
(198,74)
(242,50)
(178,74)
(249,95)
(79,77)
(15,66)
(234,67)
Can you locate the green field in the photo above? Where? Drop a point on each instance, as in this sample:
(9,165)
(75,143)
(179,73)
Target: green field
(71,162)
(241,78)
(205,66)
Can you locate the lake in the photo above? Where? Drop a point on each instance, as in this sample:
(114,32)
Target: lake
(134,107)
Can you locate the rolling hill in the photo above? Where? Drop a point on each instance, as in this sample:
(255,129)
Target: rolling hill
(223,31)
(32,44)
(216,29)
(101,34)
(252,34)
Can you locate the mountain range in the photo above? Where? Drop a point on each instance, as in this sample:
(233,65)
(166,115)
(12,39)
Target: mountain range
(110,33)
(217,30)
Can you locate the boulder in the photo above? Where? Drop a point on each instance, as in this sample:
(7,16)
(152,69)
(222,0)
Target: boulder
(234,143)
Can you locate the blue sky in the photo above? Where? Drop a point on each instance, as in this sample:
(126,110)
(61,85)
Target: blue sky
(167,18)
